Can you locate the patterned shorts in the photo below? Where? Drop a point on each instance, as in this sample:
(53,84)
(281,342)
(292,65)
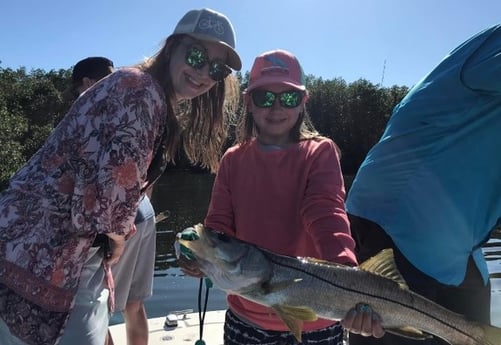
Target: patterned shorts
(237,332)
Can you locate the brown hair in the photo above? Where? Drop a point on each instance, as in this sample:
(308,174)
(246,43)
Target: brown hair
(202,121)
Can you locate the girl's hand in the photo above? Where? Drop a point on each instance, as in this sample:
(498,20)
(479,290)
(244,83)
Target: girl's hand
(185,258)
(190,267)
(364,321)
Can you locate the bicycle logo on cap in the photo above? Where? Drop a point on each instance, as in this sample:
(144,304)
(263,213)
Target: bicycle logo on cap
(210,24)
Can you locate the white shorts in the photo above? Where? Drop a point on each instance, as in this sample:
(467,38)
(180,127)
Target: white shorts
(133,274)
(88,321)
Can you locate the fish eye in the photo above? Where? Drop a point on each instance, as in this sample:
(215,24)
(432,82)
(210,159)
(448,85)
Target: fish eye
(266,287)
(223,237)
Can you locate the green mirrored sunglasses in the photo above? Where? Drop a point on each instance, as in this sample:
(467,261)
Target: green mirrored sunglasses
(287,99)
(196,57)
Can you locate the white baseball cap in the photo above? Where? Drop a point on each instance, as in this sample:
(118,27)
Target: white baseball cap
(208,25)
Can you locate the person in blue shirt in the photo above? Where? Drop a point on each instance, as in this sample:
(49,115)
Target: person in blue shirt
(431,187)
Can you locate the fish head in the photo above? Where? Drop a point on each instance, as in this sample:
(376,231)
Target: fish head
(231,264)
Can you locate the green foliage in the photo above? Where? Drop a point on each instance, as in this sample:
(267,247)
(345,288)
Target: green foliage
(12,129)
(354,115)
(31,104)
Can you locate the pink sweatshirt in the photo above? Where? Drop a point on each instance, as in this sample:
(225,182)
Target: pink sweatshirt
(288,201)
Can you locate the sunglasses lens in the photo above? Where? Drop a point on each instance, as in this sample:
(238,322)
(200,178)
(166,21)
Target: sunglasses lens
(195,57)
(290,99)
(263,99)
(218,70)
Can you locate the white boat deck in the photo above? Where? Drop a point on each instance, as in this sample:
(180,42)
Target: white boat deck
(187,331)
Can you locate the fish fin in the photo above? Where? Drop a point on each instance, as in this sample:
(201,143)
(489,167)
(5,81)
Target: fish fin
(409,332)
(383,264)
(293,317)
(492,335)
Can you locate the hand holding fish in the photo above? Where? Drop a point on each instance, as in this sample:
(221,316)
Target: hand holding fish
(185,259)
(364,321)
(285,285)
(359,320)
(190,267)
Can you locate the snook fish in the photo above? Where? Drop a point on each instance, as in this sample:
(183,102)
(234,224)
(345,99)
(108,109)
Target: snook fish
(304,289)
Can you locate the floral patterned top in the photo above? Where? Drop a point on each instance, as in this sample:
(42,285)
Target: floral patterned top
(85,180)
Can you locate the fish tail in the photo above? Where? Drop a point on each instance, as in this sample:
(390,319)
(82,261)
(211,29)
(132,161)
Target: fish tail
(492,335)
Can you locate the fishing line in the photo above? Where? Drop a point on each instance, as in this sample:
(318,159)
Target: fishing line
(201,314)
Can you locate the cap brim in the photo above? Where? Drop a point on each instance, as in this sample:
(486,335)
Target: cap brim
(233,57)
(275,80)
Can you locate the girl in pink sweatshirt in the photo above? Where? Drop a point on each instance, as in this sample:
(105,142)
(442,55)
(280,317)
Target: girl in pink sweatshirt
(280,188)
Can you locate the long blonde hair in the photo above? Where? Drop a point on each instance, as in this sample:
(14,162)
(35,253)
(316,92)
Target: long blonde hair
(203,121)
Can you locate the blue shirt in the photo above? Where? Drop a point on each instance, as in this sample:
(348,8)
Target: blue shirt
(433,181)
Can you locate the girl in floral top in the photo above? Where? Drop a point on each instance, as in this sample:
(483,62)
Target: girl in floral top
(89,176)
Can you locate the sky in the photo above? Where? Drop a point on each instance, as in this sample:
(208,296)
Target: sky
(387,42)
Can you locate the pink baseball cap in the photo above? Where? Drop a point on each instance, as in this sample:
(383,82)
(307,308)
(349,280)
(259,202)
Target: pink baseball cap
(276,67)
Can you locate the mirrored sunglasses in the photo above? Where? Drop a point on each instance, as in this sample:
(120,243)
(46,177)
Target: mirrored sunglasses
(287,99)
(196,57)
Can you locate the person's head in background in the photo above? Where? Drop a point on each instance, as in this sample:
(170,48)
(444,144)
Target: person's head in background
(275,101)
(193,67)
(89,71)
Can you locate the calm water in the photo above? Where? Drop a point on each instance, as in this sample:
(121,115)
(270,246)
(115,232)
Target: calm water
(186,196)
